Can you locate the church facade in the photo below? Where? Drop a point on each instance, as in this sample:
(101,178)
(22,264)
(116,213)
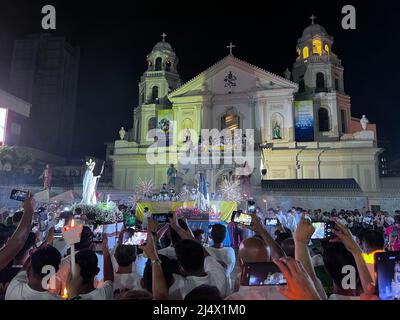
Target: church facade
(301,124)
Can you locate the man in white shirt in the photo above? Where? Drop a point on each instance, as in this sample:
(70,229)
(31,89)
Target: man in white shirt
(281,217)
(125,277)
(27,285)
(224,255)
(389,220)
(82,285)
(198,267)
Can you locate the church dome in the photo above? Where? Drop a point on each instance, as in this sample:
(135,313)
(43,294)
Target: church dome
(162,46)
(314,29)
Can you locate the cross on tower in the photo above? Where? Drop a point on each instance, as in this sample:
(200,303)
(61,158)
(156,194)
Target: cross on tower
(230,47)
(312,18)
(163,36)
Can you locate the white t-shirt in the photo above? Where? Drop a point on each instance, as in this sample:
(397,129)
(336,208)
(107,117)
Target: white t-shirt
(126,281)
(105,292)
(169,252)
(19,289)
(226,255)
(389,220)
(215,276)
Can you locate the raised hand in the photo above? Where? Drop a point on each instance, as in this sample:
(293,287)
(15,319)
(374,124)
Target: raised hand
(150,249)
(370,294)
(174,221)
(304,230)
(256,225)
(104,243)
(152,225)
(345,236)
(29,203)
(299,283)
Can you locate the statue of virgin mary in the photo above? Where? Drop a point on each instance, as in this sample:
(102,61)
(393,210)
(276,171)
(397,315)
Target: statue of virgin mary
(89,184)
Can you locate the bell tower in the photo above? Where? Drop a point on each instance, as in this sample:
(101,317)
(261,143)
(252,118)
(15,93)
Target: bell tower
(319,73)
(160,78)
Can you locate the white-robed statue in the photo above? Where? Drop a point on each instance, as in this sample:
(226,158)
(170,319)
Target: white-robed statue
(202,199)
(90,184)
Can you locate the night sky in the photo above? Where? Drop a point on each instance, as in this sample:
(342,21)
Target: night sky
(115,37)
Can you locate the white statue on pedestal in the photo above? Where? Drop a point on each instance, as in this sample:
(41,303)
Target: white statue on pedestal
(364,123)
(122,133)
(90,184)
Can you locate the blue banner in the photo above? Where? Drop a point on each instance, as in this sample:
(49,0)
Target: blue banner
(304,121)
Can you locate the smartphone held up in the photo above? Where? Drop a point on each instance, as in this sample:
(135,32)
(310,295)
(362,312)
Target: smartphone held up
(19,195)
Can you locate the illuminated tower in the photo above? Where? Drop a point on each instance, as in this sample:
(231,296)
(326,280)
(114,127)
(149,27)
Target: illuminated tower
(319,73)
(160,78)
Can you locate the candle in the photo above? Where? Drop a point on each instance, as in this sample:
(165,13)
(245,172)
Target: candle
(65,294)
(72,235)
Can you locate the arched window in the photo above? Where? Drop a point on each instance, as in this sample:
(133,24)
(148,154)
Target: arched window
(306,53)
(327,50)
(344,120)
(323,120)
(158,64)
(154,93)
(320,81)
(142,97)
(317,47)
(152,124)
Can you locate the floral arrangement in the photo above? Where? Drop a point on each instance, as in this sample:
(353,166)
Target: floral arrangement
(190,212)
(102,213)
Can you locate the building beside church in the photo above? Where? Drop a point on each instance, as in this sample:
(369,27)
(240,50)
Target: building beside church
(303,127)
(44,72)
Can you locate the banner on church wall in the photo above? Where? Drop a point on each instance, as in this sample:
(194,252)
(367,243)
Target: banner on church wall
(304,120)
(165,130)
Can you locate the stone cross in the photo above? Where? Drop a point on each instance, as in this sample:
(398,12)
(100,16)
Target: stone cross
(163,36)
(312,18)
(230,47)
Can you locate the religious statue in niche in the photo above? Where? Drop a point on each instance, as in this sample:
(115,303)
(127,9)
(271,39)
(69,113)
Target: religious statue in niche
(188,136)
(230,80)
(188,140)
(276,132)
(171,175)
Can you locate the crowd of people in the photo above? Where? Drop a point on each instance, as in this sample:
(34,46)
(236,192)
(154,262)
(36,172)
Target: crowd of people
(177,263)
